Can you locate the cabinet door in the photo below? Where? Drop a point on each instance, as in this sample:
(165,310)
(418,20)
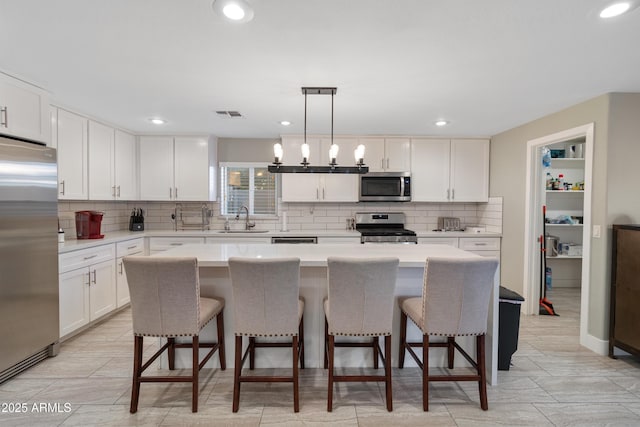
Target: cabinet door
(102,289)
(24,110)
(53,117)
(125,166)
(469,178)
(191,168)
(73,300)
(122,286)
(339,187)
(430,170)
(374,155)
(72,156)
(397,154)
(156,168)
(101,170)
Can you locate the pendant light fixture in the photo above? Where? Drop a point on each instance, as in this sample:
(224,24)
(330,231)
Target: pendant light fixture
(305,166)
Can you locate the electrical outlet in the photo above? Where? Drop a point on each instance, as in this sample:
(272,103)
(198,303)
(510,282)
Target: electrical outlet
(596,231)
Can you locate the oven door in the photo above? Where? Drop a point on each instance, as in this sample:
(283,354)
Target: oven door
(385,187)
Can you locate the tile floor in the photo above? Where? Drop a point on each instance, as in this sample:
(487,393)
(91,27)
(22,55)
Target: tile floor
(553,382)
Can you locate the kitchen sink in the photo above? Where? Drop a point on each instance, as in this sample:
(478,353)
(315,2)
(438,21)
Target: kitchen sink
(242,231)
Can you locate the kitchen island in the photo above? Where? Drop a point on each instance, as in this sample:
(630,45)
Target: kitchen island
(215,282)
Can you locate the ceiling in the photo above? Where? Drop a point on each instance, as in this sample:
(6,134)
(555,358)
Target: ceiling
(485,66)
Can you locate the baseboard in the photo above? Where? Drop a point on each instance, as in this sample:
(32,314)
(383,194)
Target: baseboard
(596,345)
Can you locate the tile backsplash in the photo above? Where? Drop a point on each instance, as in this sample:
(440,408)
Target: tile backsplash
(300,216)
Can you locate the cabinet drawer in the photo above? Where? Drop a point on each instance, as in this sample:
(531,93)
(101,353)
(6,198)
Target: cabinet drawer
(333,240)
(85,257)
(129,247)
(480,244)
(158,244)
(449,241)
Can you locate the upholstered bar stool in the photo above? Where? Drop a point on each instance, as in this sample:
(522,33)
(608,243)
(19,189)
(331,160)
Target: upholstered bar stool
(166,302)
(455,302)
(266,303)
(360,303)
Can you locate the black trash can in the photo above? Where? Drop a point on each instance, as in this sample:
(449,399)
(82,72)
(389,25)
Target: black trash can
(508,326)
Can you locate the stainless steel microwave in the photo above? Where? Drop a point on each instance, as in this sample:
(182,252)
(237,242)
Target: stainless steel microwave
(385,187)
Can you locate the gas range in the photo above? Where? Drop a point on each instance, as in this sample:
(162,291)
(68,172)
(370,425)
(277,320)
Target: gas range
(383,227)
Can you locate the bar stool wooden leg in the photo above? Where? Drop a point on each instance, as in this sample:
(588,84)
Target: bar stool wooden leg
(137,365)
(387,371)
(301,341)
(482,385)
(236,373)
(450,350)
(425,372)
(196,371)
(376,343)
(296,399)
(403,339)
(252,353)
(221,352)
(330,386)
(326,342)
(171,353)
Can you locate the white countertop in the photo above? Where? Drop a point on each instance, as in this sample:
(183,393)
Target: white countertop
(118,236)
(312,255)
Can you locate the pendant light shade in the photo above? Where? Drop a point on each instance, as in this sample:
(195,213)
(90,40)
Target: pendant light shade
(305,166)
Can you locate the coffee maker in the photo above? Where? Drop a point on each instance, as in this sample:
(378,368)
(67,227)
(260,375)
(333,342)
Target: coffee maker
(88,225)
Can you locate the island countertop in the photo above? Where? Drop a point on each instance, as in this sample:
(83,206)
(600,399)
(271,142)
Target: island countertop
(313,255)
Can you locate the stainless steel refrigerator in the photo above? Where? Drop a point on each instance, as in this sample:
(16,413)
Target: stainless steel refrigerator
(29,325)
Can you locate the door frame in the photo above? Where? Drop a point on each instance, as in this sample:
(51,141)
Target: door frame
(533,219)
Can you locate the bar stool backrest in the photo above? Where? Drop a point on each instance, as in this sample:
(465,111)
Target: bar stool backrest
(455,296)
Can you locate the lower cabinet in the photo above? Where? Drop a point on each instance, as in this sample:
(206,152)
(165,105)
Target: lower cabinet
(160,244)
(123,249)
(87,286)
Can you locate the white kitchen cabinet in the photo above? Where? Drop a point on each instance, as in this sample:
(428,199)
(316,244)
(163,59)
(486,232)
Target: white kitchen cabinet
(312,187)
(87,286)
(174,168)
(123,249)
(448,241)
(332,240)
(24,110)
(53,119)
(387,154)
(445,170)
(229,238)
(112,163)
(101,162)
(72,156)
(160,244)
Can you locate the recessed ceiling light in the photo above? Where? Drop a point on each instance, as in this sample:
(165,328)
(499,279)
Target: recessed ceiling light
(157,121)
(285,123)
(441,123)
(234,10)
(615,9)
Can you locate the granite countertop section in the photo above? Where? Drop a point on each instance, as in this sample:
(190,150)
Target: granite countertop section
(119,236)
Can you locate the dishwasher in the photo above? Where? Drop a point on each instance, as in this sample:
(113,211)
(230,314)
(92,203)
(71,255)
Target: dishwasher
(293,240)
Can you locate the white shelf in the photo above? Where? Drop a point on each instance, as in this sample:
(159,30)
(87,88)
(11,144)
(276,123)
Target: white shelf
(567,159)
(563,225)
(565,257)
(564,191)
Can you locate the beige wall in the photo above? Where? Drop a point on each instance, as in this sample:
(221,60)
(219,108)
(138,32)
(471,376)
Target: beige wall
(508,180)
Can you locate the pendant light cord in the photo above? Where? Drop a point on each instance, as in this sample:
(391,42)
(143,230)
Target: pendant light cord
(331,117)
(305,116)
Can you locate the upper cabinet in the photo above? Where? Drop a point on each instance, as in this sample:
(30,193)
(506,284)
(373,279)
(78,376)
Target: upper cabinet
(387,154)
(72,156)
(312,187)
(175,168)
(24,110)
(112,163)
(444,170)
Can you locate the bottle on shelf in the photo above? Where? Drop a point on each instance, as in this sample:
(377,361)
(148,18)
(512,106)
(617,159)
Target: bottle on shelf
(560,181)
(549,182)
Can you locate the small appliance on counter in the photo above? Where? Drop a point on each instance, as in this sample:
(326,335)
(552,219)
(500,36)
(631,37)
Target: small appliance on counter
(88,225)
(448,224)
(136,221)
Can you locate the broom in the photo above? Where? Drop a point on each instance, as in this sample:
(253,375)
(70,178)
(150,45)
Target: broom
(546,307)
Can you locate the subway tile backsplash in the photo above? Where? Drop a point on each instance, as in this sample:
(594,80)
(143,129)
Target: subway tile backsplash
(300,216)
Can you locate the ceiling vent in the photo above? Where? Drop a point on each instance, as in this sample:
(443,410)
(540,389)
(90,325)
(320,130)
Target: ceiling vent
(229,114)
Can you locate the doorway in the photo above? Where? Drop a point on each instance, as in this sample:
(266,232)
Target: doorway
(536,197)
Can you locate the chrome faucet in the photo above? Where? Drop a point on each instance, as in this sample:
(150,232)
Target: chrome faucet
(247,225)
